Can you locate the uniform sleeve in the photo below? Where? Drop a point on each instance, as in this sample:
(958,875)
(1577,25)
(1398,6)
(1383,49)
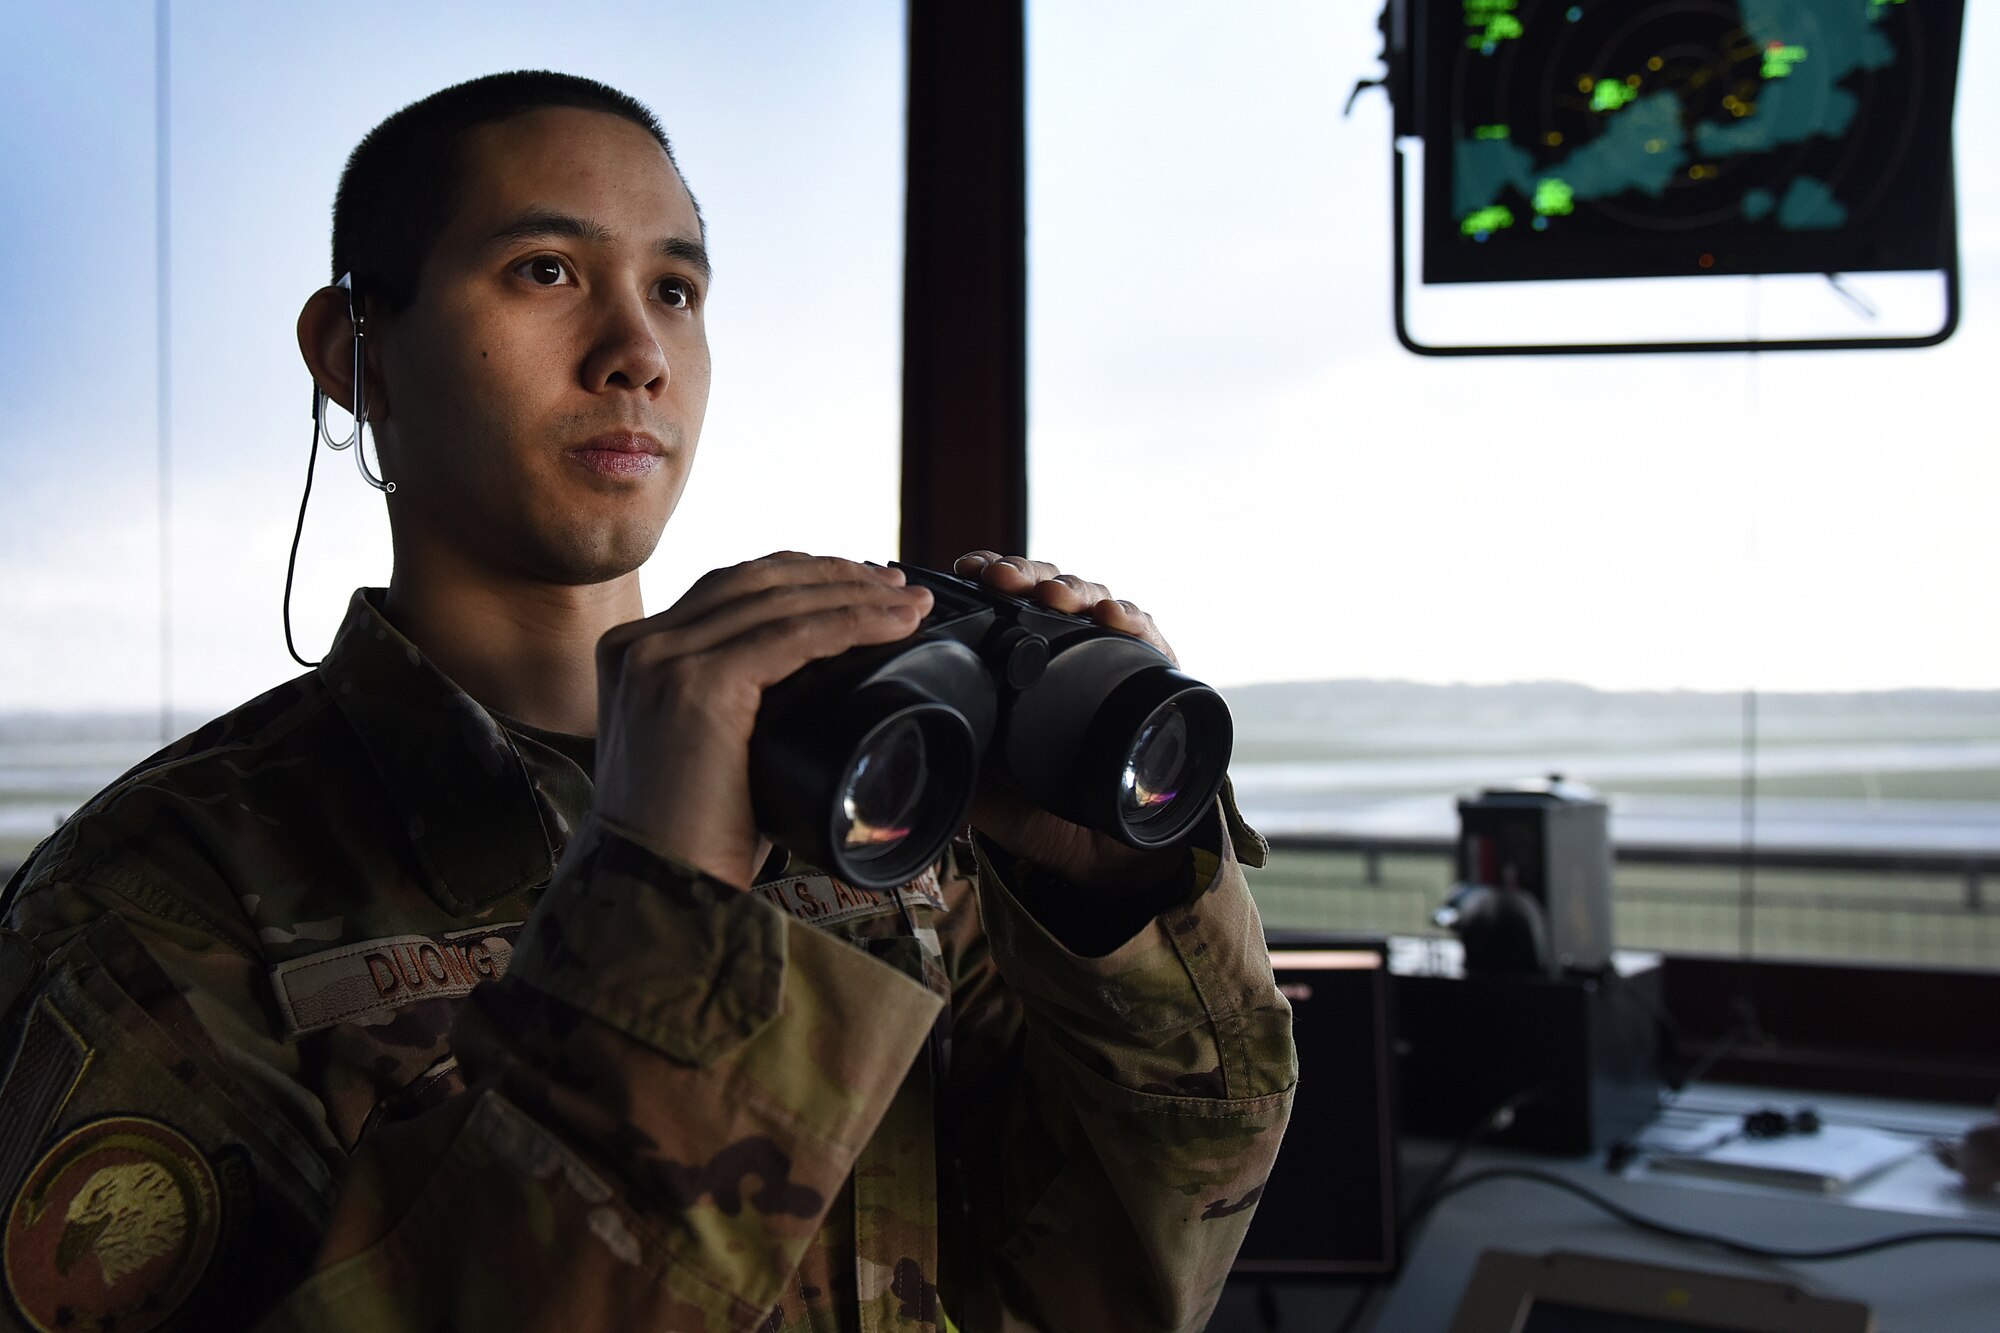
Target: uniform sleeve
(663,1097)
(1115,1114)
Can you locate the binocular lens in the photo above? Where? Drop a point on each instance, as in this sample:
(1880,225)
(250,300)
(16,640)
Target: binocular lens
(867,764)
(1155,768)
(880,791)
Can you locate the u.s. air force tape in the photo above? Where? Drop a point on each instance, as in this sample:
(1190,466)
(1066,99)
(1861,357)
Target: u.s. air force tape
(112,1229)
(369,980)
(826,901)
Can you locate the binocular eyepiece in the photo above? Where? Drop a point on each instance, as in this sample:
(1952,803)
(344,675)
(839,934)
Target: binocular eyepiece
(866,763)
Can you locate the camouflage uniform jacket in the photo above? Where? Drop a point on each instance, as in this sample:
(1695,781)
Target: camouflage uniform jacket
(248,1074)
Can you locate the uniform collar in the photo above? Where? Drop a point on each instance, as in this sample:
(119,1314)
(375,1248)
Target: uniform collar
(451,771)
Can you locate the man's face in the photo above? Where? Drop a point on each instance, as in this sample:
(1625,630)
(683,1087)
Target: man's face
(545,389)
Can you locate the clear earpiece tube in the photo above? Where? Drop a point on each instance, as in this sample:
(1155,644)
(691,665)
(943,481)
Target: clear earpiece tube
(360,382)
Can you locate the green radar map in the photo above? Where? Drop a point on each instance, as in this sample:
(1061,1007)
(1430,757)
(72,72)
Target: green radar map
(1607,138)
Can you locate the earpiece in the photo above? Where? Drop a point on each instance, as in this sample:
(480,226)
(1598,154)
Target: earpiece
(357,318)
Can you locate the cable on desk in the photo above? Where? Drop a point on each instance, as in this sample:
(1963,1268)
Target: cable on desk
(1730,1243)
(1744,1029)
(1362,1300)
(1499,1118)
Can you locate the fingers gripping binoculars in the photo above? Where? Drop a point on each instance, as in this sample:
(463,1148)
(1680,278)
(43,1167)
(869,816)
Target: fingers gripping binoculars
(866,763)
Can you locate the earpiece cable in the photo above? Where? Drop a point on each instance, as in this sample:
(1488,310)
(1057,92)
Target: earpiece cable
(353,441)
(292,564)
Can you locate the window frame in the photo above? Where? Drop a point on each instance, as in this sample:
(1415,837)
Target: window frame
(1829,1026)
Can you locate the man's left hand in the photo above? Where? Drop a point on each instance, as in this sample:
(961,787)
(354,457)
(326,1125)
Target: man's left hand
(1077,854)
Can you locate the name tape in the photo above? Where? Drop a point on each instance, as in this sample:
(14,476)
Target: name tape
(367,981)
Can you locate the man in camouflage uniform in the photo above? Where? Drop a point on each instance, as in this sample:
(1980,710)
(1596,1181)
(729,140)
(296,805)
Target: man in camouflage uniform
(250,1070)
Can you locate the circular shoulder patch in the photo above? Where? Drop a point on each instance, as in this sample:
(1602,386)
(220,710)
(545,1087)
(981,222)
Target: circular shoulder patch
(112,1229)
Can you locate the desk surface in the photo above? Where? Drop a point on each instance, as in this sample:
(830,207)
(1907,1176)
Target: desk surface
(1940,1287)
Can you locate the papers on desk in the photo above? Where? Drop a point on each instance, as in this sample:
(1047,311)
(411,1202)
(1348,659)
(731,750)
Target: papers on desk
(1834,1158)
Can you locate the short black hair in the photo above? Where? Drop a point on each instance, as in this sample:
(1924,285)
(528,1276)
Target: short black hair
(400,186)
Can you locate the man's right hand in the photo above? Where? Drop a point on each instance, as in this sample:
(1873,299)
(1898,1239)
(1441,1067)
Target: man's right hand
(678,692)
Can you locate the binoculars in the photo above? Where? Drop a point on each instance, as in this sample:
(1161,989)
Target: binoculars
(866,763)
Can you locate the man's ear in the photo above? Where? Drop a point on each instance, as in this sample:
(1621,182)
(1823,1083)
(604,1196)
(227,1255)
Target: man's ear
(326,341)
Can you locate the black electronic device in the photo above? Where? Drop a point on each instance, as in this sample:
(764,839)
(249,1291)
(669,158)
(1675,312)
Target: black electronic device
(1575,144)
(1580,1058)
(1329,1207)
(1592,139)
(866,763)
(1534,879)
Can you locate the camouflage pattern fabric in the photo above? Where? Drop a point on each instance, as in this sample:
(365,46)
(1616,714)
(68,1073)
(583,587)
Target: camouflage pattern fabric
(346,1012)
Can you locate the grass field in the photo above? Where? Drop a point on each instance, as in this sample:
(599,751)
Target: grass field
(1872,917)
(1844,759)
(1920,919)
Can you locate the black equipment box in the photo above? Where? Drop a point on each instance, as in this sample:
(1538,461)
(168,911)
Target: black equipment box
(1586,1052)
(1329,1207)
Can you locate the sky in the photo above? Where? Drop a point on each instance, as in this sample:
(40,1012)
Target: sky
(1222,425)
(1210,323)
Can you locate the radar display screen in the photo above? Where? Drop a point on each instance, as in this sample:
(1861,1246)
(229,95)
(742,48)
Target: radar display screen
(1657,138)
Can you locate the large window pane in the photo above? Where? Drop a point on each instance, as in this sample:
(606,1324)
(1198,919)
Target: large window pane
(787,121)
(1707,585)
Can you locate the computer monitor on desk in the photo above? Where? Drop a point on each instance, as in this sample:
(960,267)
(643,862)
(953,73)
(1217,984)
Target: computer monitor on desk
(1583,1293)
